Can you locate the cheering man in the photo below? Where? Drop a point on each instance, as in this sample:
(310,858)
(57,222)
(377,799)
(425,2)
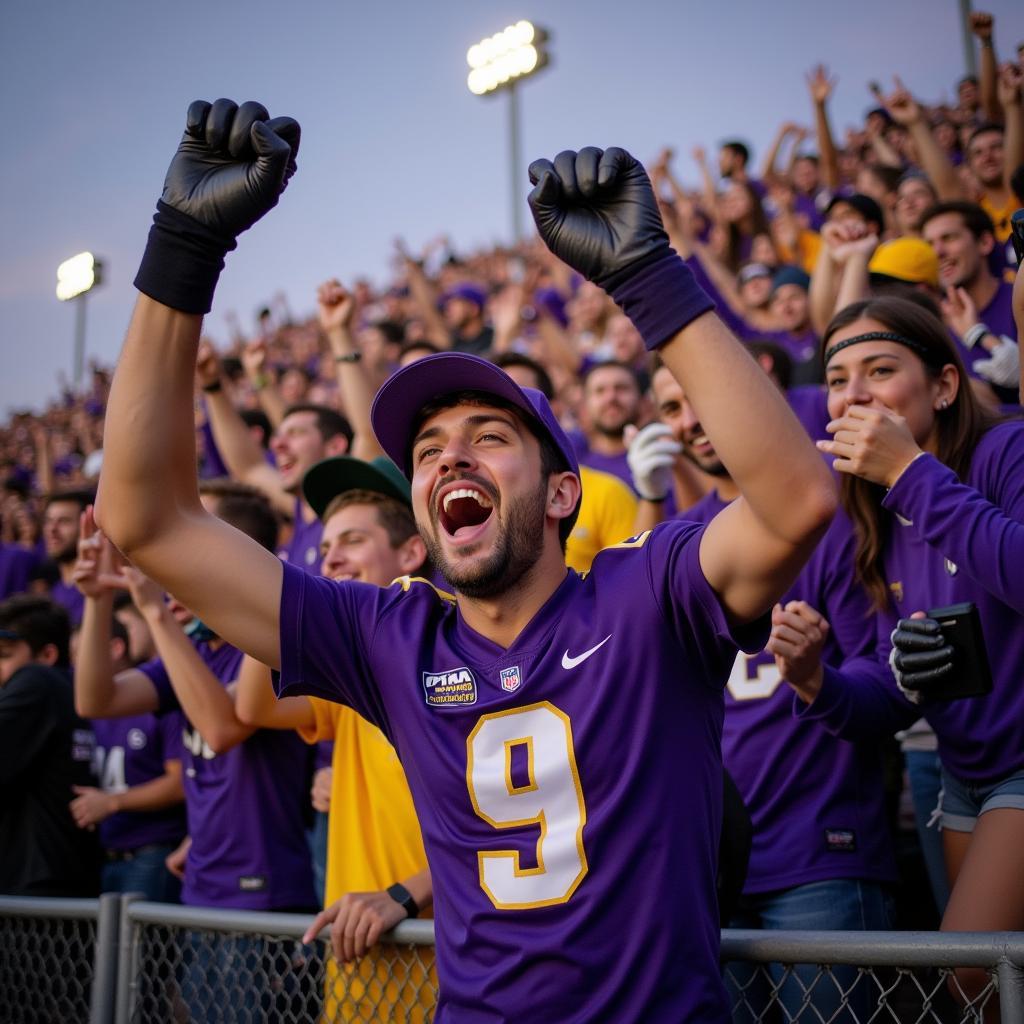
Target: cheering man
(560,734)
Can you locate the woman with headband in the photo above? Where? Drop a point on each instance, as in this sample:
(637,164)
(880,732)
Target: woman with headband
(935,486)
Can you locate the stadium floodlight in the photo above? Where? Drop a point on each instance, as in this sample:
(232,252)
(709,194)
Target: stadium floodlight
(507,56)
(76,277)
(498,63)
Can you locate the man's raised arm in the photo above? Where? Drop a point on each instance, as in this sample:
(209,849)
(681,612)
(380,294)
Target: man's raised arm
(597,211)
(230,168)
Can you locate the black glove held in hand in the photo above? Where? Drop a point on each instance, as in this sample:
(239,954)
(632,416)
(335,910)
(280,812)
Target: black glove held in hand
(920,656)
(231,167)
(596,212)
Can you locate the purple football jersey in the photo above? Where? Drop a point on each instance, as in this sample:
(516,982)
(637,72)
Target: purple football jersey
(568,787)
(129,752)
(244,808)
(950,542)
(303,550)
(815,801)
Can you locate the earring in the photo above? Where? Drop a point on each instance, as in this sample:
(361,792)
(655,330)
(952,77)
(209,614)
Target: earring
(944,404)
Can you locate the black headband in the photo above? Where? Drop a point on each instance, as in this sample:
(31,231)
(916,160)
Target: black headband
(900,339)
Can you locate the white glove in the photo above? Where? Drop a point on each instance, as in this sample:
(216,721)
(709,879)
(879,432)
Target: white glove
(650,456)
(1003,365)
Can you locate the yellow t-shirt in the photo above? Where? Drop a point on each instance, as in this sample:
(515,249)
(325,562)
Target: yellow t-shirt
(606,517)
(373,841)
(1000,215)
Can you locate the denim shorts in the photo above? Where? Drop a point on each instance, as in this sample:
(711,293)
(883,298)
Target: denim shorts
(960,802)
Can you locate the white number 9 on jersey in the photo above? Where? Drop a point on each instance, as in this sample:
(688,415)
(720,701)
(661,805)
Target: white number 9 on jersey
(546,793)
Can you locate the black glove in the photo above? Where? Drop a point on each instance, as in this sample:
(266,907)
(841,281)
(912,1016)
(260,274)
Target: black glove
(596,211)
(920,657)
(231,167)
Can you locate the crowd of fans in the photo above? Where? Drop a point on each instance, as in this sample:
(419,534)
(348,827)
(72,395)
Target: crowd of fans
(916,203)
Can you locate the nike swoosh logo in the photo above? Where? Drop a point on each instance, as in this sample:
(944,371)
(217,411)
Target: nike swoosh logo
(572,662)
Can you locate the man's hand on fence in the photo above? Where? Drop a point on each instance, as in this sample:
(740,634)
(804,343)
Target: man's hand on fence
(357,921)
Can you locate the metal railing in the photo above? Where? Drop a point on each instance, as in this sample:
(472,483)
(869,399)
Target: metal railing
(118,960)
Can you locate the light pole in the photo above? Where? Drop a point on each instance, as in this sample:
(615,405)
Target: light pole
(75,278)
(970,61)
(500,62)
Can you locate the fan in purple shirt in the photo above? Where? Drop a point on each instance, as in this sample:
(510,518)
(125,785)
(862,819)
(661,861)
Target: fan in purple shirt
(950,528)
(821,856)
(612,395)
(138,806)
(306,434)
(17,565)
(544,720)
(244,789)
(979,306)
(60,537)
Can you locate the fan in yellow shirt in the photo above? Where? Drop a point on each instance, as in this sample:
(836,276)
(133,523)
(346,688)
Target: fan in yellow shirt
(377,870)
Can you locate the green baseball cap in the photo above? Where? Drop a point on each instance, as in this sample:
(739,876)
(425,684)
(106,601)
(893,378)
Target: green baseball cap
(331,477)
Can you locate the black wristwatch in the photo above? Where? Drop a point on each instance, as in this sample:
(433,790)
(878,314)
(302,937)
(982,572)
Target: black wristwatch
(400,894)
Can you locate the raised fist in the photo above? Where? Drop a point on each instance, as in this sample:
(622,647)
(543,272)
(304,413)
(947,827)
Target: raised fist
(231,166)
(981,25)
(596,211)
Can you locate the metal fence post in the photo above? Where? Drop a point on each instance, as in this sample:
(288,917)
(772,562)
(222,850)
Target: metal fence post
(104,979)
(1011,992)
(127,960)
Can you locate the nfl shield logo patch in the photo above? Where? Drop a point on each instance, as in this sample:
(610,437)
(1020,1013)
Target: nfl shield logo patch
(510,679)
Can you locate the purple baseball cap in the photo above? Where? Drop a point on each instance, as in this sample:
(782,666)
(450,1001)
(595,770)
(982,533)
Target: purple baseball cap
(464,290)
(396,409)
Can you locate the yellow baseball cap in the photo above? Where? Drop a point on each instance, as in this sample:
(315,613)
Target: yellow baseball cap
(906,259)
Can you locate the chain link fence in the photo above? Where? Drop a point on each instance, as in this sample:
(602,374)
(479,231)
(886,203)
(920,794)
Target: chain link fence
(118,961)
(51,967)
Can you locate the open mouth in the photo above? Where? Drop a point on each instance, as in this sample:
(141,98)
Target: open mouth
(463,510)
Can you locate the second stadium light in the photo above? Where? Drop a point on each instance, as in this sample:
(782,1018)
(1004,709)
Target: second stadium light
(506,57)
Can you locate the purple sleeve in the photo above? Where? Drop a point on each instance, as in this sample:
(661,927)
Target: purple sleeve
(735,323)
(690,605)
(166,698)
(859,701)
(326,634)
(984,538)
(171,727)
(213,464)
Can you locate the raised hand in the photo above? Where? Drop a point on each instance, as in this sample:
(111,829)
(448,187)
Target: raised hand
(335,305)
(596,211)
(902,107)
(959,310)
(797,640)
(232,164)
(254,358)
(844,239)
(1008,85)
(651,455)
(208,369)
(820,84)
(982,24)
(95,570)
(875,444)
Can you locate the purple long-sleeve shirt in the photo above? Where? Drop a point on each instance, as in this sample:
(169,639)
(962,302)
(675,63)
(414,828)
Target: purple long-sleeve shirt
(950,541)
